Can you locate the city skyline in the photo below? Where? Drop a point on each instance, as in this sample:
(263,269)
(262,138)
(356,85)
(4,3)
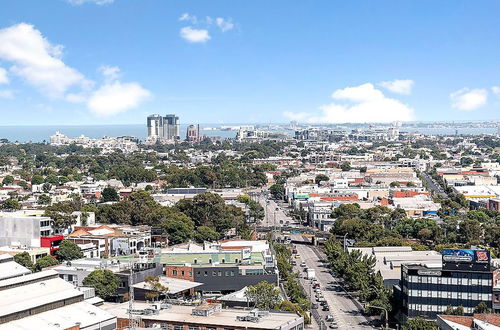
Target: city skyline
(322,62)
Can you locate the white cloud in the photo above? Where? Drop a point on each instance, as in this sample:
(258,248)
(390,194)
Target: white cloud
(116,97)
(469,99)
(362,104)
(495,90)
(4,79)
(189,18)
(194,35)
(110,73)
(223,24)
(298,116)
(6,94)
(398,86)
(97,2)
(37,61)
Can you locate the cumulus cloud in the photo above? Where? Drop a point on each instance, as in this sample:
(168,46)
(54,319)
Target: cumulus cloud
(359,104)
(4,79)
(398,86)
(6,94)
(37,61)
(109,72)
(469,99)
(97,2)
(116,97)
(194,35)
(224,24)
(495,90)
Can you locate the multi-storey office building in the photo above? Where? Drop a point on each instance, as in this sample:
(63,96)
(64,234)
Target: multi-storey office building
(222,268)
(464,279)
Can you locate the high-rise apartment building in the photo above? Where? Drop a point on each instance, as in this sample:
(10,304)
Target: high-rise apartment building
(163,128)
(155,126)
(193,133)
(171,127)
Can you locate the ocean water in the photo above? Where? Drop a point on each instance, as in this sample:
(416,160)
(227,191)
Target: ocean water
(43,133)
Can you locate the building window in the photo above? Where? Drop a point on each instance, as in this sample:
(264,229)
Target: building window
(220,273)
(191,274)
(182,272)
(195,261)
(227,273)
(174,272)
(232,273)
(210,261)
(178,327)
(206,273)
(214,273)
(194,327)
(223,261)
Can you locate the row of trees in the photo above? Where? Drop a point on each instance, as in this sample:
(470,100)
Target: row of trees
(358,272)
(298,301)
(381,226)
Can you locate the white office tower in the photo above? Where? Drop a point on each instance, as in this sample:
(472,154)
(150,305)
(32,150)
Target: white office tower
(155,127)
(171,128)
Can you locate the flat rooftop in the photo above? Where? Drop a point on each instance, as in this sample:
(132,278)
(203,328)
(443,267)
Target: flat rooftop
(225,317)
(81,313)
(36,294)
(9,269)
(174,285)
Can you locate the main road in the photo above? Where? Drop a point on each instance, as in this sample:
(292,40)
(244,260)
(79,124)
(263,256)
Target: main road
(345,311)
(343,308)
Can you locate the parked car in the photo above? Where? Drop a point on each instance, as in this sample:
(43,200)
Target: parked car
(333,326)
(326,308)
(329,318)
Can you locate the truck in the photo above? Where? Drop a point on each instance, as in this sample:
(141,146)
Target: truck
(311,273)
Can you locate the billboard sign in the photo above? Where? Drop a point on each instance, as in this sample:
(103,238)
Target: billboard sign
(246,253)
(300,196)
(466,256)
(458,255)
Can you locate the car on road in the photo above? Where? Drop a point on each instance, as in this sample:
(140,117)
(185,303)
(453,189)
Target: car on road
(303,264)
(326,308)
(329,318)
(333,326)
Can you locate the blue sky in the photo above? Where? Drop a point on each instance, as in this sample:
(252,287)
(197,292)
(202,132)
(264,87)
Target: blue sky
(325,61)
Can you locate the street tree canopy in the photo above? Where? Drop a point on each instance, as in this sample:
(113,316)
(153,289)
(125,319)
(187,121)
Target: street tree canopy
(68,250)
(265,295)
(104,281)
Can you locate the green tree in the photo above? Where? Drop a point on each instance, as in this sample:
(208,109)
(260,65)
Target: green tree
(68,250)
(482,308)
(24,259)
(154,287)
(46,187)
(44,262)
(8,180)
(419,323)
(36,180)
(321,177)
(109,195)
(469,230)
(345,167)
(11,204)
(104,281)
(44,199)
(204,233)
(277,191)
(265,295)
(394,184)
